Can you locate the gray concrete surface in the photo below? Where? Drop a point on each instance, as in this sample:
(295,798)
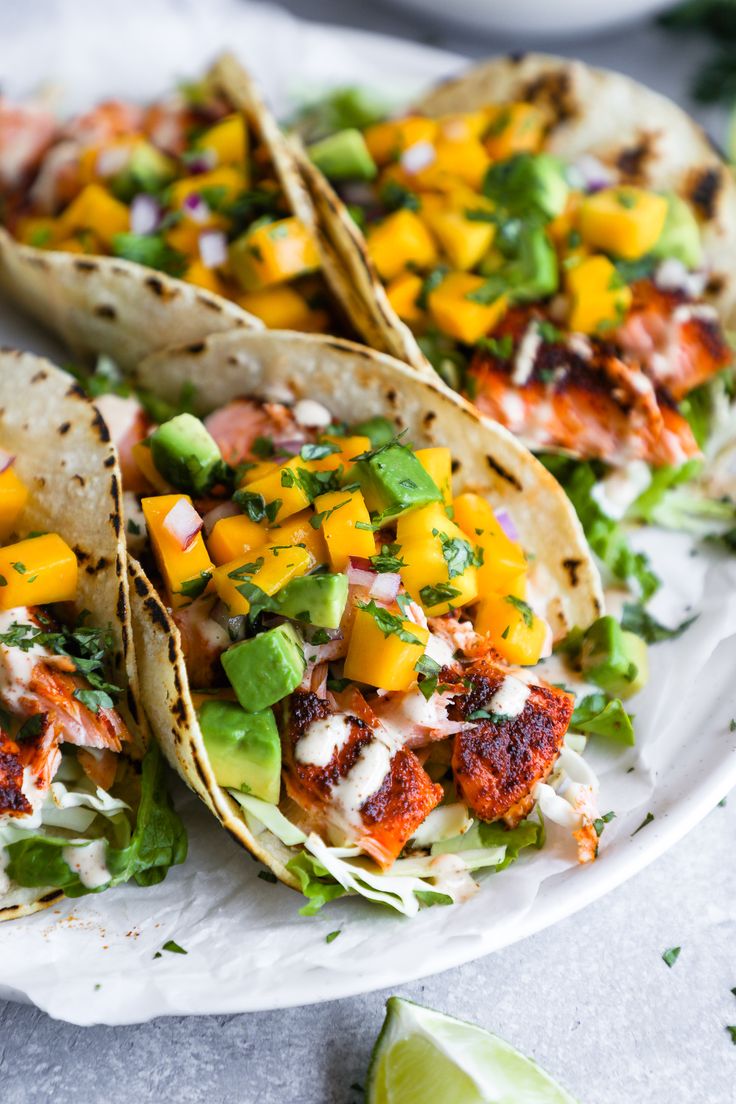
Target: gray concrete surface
(591,999)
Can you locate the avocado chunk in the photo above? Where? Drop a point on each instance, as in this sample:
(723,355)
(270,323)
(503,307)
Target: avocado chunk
(614,659)
(266,668)
(680,237)
(148,170)
(244,749)
(393,481)
(532,274)
(186,455)
(527,184)
(378,430)
(343,156)
(315,599)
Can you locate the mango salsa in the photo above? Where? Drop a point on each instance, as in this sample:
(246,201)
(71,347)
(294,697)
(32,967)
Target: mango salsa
(282,308)
(186,573)
(440,563)
(282,489)
(346,526)
(624,221)
(515,630)
(37,572)
(231,536)
(461,317)
(13,497)
(403,292)
(437,462)
(228,139)
(600,298)
(273,253)
(399,241)
(387,141)
(269,568)
(504,562)
(382,658)
(513,128)
(297,529)
(96,210)
(464,241)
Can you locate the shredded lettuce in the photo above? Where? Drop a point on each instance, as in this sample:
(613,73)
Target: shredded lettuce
(635,618)
(141,846)
(667,502)
(605,536)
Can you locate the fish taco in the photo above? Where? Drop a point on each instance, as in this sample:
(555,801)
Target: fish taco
(557,242)
(83,802)
(356,583)
(198,187)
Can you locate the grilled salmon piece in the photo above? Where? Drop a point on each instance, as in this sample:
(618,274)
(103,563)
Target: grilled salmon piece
(13,802)
(386,818)
(679,343)
(496,762)
(237,425)
(592,406)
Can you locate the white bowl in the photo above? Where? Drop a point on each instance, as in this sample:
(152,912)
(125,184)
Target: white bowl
(533,18)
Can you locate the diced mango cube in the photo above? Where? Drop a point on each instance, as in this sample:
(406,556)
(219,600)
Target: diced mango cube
(346,526)
(503,559)
(232,536)
(185,234)
(37,572)
(599,297)
(144,459)
(514,629)
(229,179)
(186,572)
(269,568)
(384,660)
(513,128)
(279,308)
(459,126)
(228,139)
(273,253)
(260,469)
(461,317)
(439,568)
(96,210)
(282,490)
(402,293)
(464,241)
(400,240)
(387,141)
(348,448)
(198,273)
(465,161)
(437,462)
(38,231)
(13,497)
(298,529)
(625,221)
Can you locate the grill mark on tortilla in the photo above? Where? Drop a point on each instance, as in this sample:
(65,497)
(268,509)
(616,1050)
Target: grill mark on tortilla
(571,567)
(704,190)
(99,424)
(503,474)
(64,428)
(553,90)
(157,614)
(105,310)
(79,479)
(196,348)
(85,266)
(101,563)
(631,161)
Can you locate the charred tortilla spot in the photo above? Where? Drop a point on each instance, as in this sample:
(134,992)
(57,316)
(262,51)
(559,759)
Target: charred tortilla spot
(704,191)
(39,377)
(200,770)
(455,466)
(110,462)
(105,310)
(85,266)
(156,286)
(501,472)
(121,604)
(179,709)
(132,705)
(632,160)
(100,425)
(716,284)
(64,428)
(212,304)
(172,650)
(95,568)
(553,91)
(572,567)
(140,586)
(197,347)
(79,479)
(428,418)
(157,615)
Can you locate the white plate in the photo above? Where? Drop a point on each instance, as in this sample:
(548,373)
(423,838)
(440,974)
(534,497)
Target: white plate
(92,960)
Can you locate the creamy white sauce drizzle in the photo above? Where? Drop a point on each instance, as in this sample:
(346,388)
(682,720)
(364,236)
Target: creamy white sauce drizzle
(17,665)
(526,355)
(322,739)
(363,780)
(439,650)
(580,345)
(308,412)
(616,492)
(89,863)
(510,697)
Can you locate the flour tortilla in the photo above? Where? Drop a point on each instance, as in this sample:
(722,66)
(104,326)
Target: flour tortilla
(353,382)
(64,456)
(642,136)
(100,304)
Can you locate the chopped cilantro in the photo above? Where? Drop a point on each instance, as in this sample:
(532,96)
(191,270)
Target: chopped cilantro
(150,250)
(524,609)
(395,197)
(247,569)
(430,283)
(252,504)
(458,555)
(638,620)
(173,948)
(94,700)
(600,822)
(133,527)
(731,1029)
(647,820)
(317,520)
(86,646)
(318,451)
(193,588)
(19,567)
(263,448)
(435,595)
(671,955)
(332,936)
(30,729)
(388,559)
(501,347)
(388,623)
(428,669)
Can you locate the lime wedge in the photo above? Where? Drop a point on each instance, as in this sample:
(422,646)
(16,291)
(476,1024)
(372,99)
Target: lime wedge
(423,1055)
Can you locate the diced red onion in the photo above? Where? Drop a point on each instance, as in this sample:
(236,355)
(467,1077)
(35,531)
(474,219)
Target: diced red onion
(183,523)
(196,208)
(225,509)
(6,459)
(504,520)
(359,575)
(145,214)
(593,173)
(386,586)
(418,157)
(288,445)
(213,248)
(205,160)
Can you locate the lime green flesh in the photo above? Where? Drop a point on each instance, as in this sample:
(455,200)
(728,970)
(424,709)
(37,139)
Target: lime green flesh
(423,1056)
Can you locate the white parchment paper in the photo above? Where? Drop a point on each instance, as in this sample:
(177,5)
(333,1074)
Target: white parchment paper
(92,960)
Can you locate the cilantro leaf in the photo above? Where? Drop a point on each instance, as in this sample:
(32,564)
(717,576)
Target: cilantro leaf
(524,609)
(150,250)
(435,595)
(602,716)
(389,623)
(638,620)
(671,955)
(388,559)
